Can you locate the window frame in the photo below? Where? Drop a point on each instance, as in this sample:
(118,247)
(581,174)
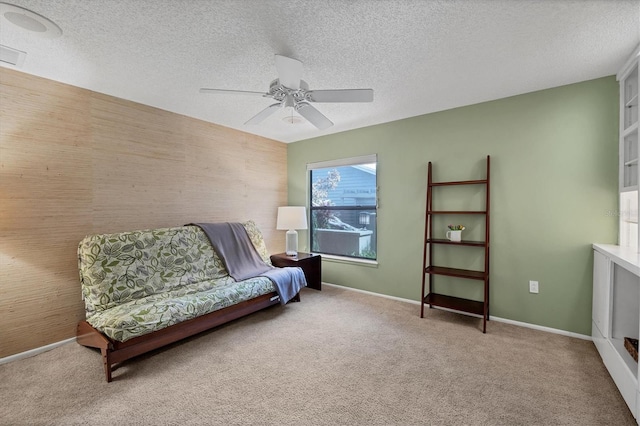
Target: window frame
(343,162)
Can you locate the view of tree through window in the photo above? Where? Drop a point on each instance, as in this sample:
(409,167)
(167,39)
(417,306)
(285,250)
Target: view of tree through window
(343,210)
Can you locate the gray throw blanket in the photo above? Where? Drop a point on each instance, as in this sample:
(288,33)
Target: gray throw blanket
(232,243)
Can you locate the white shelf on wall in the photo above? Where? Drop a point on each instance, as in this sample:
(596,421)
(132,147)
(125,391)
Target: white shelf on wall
(630,131)
(629,77)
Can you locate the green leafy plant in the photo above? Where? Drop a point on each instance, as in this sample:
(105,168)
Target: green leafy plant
(456,227)
(368,254)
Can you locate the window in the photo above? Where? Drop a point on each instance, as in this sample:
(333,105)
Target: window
(343,206)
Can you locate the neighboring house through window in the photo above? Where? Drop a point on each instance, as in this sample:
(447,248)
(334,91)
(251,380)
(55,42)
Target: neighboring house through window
(343,205)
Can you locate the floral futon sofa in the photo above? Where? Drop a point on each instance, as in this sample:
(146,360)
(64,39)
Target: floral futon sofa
(146,289)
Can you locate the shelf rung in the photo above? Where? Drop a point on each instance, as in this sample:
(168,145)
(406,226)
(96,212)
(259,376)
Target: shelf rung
(457,243)
(455,303)
(457,212)
(460,182)
(455,272)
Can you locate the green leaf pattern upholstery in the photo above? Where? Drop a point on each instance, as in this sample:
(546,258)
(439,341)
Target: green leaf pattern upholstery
(138,282)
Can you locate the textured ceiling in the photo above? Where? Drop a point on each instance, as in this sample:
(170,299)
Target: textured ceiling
(418,56)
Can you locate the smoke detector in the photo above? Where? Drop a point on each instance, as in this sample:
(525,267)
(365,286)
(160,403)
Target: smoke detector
(30,21)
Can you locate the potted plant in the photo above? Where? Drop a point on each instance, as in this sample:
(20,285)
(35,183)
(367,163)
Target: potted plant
(455,232)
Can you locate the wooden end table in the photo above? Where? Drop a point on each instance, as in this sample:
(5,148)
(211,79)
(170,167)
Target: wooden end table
(310,263)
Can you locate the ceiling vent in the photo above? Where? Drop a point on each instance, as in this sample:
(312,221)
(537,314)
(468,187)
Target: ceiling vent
(11,56)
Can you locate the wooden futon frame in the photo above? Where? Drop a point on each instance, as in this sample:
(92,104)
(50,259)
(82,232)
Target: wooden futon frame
(114,352)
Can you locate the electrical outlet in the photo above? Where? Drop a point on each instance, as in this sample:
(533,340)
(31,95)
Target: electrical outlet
(533,286)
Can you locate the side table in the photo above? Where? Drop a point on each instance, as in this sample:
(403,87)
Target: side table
(310,263)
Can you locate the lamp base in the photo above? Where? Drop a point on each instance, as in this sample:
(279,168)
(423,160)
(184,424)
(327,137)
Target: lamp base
(292,243)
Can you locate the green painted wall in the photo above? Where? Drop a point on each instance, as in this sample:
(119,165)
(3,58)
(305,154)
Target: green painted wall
(554,178)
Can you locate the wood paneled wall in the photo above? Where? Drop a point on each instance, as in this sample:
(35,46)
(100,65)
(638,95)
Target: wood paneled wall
(74,162)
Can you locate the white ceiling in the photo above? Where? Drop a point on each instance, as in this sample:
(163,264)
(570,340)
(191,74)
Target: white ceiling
(419,56)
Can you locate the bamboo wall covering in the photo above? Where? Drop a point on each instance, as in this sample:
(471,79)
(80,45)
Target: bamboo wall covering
(74,162)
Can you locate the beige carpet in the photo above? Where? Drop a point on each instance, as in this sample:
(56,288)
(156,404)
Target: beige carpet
(338,357)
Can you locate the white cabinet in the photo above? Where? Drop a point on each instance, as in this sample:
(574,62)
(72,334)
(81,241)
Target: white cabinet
(601,292)
(628,78)
(616,315)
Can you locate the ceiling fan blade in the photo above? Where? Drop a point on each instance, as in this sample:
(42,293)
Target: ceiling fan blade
(289,71)
(262,115)
(232,92)
(347,95)
(314,116)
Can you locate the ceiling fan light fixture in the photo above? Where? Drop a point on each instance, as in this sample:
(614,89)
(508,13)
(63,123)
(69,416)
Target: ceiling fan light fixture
(293,119)
(30,21)
(289,101)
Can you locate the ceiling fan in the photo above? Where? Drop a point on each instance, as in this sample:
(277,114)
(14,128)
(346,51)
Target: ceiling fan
(289,90)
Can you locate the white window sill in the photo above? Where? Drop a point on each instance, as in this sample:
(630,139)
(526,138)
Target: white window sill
(349,260)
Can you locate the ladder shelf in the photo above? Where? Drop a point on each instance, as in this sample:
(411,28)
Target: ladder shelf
(431,298)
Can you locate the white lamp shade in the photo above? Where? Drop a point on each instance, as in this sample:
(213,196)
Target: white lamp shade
(292,217)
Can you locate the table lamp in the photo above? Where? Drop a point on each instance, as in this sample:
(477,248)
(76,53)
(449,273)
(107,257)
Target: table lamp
(292,218)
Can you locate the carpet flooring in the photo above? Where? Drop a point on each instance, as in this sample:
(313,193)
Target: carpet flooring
(337,358)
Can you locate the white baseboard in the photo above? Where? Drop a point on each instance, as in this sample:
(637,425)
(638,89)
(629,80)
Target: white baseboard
(491,317)
(36,351)
(542,328)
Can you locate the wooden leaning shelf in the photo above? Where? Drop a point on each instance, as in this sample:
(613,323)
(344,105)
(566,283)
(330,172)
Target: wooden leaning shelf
(430,270)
